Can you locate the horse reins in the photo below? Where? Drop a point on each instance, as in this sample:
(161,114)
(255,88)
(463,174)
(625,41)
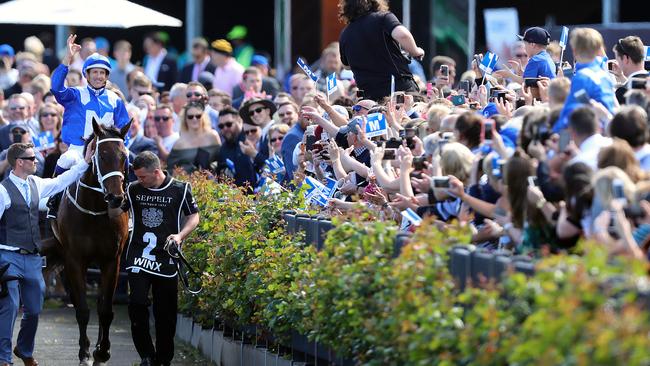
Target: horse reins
(100,178)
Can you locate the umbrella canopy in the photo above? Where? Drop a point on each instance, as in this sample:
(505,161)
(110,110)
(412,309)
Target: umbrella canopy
(84,13)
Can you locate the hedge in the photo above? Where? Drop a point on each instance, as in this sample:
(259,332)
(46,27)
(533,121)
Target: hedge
(357,298)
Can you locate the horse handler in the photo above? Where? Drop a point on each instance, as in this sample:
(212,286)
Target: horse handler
(20,245)
(156,202)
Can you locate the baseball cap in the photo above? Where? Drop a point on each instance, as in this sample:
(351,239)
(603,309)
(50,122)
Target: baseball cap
(18,126)
(259,60)
(351,126)
(7,50)
(536,35)
(490,110)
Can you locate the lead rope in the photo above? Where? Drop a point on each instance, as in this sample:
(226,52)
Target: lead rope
(180,261)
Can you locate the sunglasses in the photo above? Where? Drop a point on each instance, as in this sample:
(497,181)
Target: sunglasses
(256,110)
(358,107)
(277,139)
(193,94)
(521,55)
(224,125)
(17,108)
(193,116)
(30,158)
(48,115)
(282,115)
(141,93)
(162,118)
(250,132)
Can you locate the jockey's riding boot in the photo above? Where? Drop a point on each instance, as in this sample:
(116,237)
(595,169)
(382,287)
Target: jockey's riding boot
(53,205)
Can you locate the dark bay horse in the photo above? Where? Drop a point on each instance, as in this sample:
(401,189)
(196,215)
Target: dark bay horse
(92,229)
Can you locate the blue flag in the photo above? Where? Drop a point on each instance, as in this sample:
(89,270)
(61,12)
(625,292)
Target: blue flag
(303,65)
(44,141)
(489,62)
(314,192)
(330,187)
(412,217)
(376,125)
(331,84)
(564,38)
(647,53)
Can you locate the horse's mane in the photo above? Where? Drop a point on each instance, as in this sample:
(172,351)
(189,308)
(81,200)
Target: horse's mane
(109,132)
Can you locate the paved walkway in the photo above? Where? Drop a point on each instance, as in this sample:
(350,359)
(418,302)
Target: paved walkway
(57,340)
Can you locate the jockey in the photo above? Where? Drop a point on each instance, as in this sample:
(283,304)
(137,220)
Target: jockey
(82,104)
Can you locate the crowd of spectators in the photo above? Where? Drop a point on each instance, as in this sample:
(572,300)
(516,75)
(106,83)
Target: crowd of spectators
(533,156)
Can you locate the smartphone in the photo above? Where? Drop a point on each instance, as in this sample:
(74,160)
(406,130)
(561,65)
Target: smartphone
(399,98)
(429,91)
(581,96)
(444,70)
(520,103)
(532,181)
(393,143)
(465,87)
(310,137)
(618,193)
(389,154)
(440,182)
(458,100)
(488,125)
(565,139)
(360,94)
(531,82)
(638,83)
(542,133)
(418,163)
(610,65)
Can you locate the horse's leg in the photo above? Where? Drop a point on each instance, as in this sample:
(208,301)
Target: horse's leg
(76,273)
(110,272)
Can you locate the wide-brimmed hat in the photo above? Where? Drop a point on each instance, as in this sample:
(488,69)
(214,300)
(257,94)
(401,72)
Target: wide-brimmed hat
(243,111)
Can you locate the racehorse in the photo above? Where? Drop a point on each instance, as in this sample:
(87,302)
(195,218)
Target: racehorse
(91,228)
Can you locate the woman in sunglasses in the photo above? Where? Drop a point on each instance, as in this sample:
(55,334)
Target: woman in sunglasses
(276,134)
(198,145)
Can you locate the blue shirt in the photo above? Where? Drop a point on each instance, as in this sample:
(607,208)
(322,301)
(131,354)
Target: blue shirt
(598,85)
(540,65)
(82,104)
(289,142)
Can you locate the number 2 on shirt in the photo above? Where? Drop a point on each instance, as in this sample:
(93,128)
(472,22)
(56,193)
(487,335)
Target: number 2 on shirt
(151,241)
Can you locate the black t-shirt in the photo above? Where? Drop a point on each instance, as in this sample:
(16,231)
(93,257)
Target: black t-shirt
(156,214)
(371,52)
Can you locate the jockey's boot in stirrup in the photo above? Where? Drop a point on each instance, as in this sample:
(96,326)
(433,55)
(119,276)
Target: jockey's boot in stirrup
(53,205)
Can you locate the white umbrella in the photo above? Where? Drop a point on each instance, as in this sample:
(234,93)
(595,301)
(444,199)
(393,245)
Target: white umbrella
(84,13)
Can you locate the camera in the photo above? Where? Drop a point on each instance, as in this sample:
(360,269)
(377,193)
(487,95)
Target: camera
(465,87)
(399,98)
(531,82)
(488,125)
(444,70)
(458,100)
(389,154)
(638,83)
(393,143)
(418,163)
(440,182)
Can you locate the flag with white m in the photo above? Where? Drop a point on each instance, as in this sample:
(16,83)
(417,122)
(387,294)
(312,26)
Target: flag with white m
(331,84)
(564,38)
(489,62)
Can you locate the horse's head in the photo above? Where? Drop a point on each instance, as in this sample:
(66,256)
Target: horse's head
(109,161)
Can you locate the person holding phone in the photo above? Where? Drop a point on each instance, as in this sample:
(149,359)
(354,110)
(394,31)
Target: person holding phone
(630,57)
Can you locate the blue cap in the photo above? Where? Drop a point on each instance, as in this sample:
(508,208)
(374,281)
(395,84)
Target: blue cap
(102,43)
(259,60)
(96,61)
(7,50)
(490,110)
(536,35)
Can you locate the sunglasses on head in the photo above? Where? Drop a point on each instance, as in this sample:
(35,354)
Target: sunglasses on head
(161,118)
(30,158)
(252,112)
(194,94)
(194,116)
(277,139)
(224,125)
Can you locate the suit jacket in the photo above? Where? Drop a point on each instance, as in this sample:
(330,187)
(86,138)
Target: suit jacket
(620,92)
(143,143)
(185,75)
(167,73)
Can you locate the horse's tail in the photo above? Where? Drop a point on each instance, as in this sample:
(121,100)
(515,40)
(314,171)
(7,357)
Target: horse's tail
(53,250)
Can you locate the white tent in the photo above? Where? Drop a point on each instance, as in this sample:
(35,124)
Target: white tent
(84,13)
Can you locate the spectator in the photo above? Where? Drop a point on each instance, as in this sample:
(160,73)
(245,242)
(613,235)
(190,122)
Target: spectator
(140,85)
(438,79)
(275,137)
(630,56)
(200,62)
(218,99)
(251,86)
(289,142)
(587,44)
(584,131)
(228,73)
(159,67)
(18,114)
(178,99)
(269,84)
(540,63)
(294,85)
(165,137)
(138,142)
(8,75)
(631,125)
(288,113)
(50,118)
(198,144)
(242,169)
(370,44)
(242,51)
(73,79)
(122,53)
